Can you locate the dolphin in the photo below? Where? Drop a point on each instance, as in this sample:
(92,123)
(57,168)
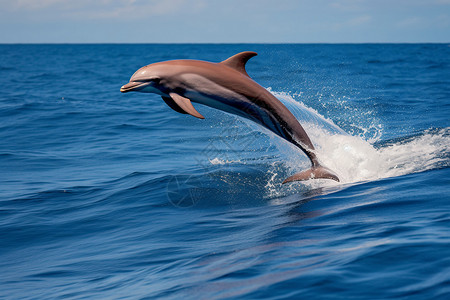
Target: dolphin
(226,86)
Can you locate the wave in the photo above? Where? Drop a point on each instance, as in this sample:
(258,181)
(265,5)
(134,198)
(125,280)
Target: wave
(355,159)
(253,161)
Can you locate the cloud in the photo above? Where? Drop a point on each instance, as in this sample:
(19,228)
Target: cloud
(410,22)
(218,21)
(42,5)
(350,23)
(34,5)
(359,20)
(130,9)
(348,5)
(104,9)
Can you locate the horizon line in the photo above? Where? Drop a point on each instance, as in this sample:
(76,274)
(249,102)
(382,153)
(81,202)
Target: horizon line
(215,43)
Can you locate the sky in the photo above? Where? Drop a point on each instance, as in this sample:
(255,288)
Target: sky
(224,21)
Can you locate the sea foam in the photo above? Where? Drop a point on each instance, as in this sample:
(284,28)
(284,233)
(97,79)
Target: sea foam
(355,158)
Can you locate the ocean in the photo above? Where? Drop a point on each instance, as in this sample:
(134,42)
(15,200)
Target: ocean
(105,195)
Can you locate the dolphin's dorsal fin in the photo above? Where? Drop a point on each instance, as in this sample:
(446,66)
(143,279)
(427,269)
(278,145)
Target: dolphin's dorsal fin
(185,105)
(239,60)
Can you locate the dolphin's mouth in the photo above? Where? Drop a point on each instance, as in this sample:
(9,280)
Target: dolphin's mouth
(132,86)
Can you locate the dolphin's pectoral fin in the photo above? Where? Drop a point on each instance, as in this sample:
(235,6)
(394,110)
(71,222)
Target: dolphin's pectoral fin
(239,60)
(313,173)
(184,105)
(172,104)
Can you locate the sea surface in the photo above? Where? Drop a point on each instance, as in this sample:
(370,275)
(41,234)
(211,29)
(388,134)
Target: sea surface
(105,195)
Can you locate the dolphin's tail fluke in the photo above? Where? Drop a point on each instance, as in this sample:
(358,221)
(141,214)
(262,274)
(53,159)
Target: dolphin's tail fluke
(313,173)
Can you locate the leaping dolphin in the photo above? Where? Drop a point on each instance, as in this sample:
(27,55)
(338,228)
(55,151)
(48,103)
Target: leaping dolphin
(226,86)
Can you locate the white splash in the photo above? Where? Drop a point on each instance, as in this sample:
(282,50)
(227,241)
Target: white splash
(355,159)
(217,161)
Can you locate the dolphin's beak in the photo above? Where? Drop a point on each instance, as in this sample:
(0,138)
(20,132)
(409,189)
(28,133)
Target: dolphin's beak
(132,86)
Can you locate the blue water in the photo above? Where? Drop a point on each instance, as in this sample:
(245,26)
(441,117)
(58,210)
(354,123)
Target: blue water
(115,196)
